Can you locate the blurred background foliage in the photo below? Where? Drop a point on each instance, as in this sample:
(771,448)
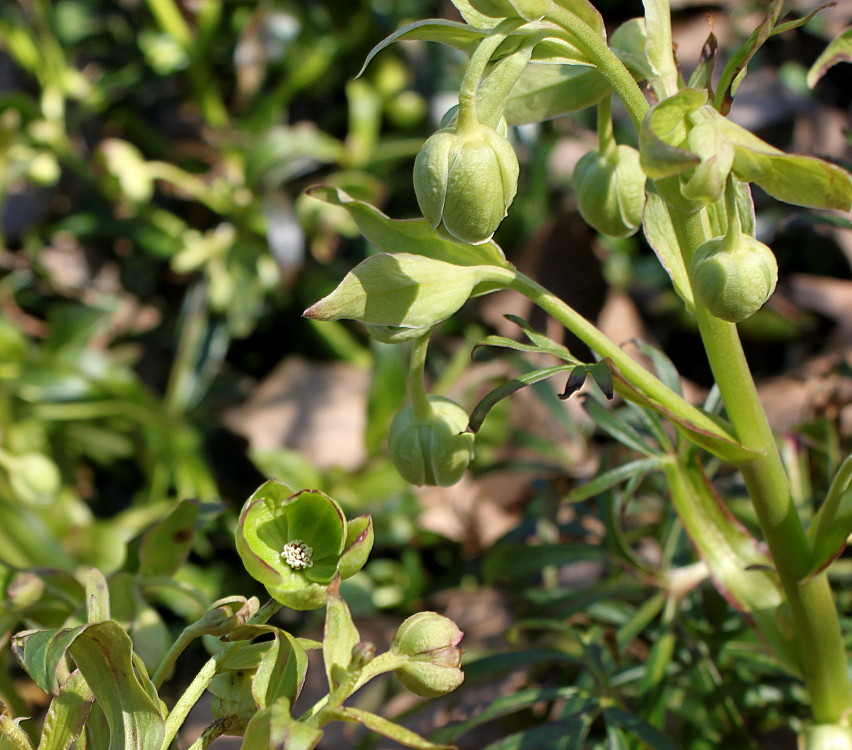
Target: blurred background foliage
(157,248)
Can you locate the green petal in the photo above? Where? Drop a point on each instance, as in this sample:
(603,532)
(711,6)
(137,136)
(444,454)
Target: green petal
(358,545)
(310,596)
(322,571)
(262,532)
(317,520)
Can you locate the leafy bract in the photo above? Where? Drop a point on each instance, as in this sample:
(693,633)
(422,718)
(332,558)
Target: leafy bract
(339,638)
(413,236)
(659,231)
(405,290)
(742,571)
(800,180)
(547,91)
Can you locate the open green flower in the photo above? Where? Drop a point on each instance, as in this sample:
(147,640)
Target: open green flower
(295,542)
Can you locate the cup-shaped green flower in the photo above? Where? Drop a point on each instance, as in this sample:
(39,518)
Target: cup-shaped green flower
(294,543)
(610,188)
(465,179)
(434,449)
(734,275)
(430,644)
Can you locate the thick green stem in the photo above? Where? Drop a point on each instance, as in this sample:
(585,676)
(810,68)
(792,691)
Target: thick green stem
(811,603)
(606,61)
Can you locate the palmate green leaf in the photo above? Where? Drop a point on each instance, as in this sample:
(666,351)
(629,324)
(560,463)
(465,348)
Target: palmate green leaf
(281,664)
(547,91)
(505,705)
(387,728)
(839,50)
(413,236)
(462,36)
(612,478)
(633,725)
(103,653)
(613,423)
(405,290)
(830,528)
(480,411)
(568,732)
(67,714)
(340,636)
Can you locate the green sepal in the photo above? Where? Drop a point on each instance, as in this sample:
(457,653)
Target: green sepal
(274,519)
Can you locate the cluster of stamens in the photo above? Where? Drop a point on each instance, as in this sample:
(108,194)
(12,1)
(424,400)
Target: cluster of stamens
(297,555)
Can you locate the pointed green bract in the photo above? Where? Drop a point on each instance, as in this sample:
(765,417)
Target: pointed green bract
(404,290)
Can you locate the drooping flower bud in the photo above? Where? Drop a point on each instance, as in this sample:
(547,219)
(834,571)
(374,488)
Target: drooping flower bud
(434,450)
(733,276)
(610,190)
(431,643)
(466,180)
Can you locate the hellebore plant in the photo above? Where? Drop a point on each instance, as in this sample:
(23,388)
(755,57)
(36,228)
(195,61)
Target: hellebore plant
(687,185)
(300,546)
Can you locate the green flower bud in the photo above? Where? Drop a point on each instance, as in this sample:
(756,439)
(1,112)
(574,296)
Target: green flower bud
(295,543)
(466,181)
(733,276)
(431,643)
(610,190)
(434,450)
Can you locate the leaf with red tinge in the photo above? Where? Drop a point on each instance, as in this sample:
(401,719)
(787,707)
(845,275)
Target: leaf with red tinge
(839,50)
